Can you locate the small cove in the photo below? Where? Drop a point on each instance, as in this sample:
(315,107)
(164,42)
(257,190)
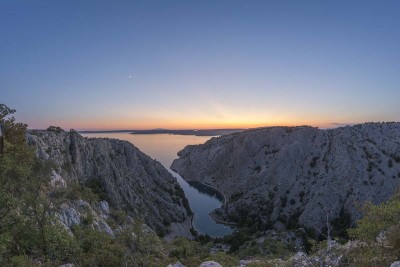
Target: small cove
(164,148)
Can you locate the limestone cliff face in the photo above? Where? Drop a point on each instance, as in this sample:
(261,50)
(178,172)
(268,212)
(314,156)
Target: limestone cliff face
(124,176)
(286,176)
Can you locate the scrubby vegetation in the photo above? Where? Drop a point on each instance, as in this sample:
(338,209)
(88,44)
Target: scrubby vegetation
(29,234)
(32,235)
(379,231)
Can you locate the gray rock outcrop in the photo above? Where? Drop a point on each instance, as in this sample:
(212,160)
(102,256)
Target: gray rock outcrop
(204,264)
(284,177)
(124,177)
(178,264)
(210,264)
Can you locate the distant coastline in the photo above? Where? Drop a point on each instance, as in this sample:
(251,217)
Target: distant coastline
(205,132)
(105,131)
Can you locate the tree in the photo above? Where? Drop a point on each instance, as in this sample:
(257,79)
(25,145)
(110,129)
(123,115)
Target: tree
(378,219)
(379,230)
(27,224)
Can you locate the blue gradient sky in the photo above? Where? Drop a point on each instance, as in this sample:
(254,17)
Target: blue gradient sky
(199,64)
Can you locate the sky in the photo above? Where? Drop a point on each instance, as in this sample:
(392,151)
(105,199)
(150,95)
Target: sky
(93,65)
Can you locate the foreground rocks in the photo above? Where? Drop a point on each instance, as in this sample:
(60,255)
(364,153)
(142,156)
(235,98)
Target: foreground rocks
(286,177)
(210,264)
(124,177)
(204,264)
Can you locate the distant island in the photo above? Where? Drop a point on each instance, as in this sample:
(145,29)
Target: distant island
(206,132)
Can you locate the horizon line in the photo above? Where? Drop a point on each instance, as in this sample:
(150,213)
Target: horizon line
(331,125)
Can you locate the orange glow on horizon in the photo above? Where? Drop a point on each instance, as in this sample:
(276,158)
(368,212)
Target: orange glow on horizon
(177,124)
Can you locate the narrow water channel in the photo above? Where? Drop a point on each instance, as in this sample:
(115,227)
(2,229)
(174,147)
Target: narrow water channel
(164,148)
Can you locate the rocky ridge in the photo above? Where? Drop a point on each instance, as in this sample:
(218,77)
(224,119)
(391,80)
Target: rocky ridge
(124,177)
(286,177)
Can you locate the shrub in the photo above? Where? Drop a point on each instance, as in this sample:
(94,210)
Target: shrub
(97,188)
(313,162)
(377,218)
(396,158)
(190,253)
(283,201)
(235,196)
(76,191)
(223,259)
(341,224)
(119,216)
(383,218)
(390,163)
(55,129)
(88,219)
(277,248)
(98,248)
(301,195)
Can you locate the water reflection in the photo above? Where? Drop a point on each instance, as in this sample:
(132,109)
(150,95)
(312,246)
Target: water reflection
(208,190)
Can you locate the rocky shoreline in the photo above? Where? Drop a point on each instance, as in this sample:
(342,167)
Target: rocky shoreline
(221,221)
(214,189)
(224,202)
(211,187)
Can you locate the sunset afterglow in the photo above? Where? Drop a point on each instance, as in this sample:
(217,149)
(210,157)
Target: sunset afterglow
(187,64)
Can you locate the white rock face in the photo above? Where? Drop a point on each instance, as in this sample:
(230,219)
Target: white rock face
(56,181)
(104,206)
(77,211)
(127,178)
(69,216)
(291,176)
(395,264)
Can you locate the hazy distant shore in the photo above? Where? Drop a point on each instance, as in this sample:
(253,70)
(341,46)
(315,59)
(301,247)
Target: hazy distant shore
(206,132)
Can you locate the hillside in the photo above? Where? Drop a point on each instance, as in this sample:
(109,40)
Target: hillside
(80,201)
(123,177)
(287,177)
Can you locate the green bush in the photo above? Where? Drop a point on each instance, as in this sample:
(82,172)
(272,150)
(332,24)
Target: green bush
(186,250)
(77,191)
(98,249)
(224,259)
(378,219)
(277,248)
(119,216)
(97,188)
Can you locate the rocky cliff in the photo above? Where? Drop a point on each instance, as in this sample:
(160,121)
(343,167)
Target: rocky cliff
(123,177)
(286,177)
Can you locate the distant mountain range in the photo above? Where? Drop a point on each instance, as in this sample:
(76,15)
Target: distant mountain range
(205,132)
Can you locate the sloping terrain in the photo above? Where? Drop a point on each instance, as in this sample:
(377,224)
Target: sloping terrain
(118,172)
(286,177)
